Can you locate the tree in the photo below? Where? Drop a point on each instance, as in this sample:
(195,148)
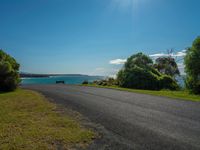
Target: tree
(167,65)
(139,60)
(138,72)
(9,76)
(192,67)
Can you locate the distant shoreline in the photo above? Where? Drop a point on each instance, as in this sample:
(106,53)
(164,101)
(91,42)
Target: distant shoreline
(30,75)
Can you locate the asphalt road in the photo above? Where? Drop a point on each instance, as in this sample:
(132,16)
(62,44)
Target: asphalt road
(129,120)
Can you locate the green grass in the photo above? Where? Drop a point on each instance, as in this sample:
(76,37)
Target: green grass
(183,95)
(29,121)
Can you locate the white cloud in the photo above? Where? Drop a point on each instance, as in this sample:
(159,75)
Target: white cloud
(159,55)
(113,76)
(117,61)
(184,50)
(178,54)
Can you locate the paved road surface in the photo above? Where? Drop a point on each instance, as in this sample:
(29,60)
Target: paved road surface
(130,120)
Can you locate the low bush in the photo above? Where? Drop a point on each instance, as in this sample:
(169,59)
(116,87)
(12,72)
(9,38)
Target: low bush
(139,73)
(167,82)
(9,76)
(85,82)
(106,82)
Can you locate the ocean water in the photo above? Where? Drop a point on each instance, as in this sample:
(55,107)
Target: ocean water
(53,79)
(74,80)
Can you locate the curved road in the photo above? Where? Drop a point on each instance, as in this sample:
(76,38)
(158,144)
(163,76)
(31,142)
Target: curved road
(129,120)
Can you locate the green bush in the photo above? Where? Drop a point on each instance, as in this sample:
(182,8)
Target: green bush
(9,76)
(138,78)
(193,84)
(138,73)
(85,82)
(192,67)
(167,82)
(102,82)
(106,82)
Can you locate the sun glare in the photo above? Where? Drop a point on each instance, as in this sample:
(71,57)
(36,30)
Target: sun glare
(125,4)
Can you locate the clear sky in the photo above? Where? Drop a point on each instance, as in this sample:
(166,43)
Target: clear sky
(93,36)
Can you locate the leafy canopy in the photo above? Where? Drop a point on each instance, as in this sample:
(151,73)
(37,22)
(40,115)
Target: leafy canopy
(9,77)
(139,60)
(139,73)
(167,65)
(192,67)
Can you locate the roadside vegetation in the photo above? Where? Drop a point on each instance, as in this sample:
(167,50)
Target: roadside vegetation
(29,121)
(143,75)
(192,67)
(180,94)
(139,73)
(9,76)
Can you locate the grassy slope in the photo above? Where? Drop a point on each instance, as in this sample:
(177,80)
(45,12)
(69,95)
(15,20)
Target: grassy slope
(28,121)
(184,95)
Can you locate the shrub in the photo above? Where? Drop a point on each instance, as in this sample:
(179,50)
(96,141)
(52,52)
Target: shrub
(192,67)
(138,78)
(9,76)
(85,82)
(139,73)
(167,82)
(102,82)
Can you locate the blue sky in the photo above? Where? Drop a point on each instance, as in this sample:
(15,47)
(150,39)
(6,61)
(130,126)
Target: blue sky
(93,36)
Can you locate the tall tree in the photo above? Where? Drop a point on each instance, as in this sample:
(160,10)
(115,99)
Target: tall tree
(9,76)
(138,72)
(140,60)
(192,67)
(167,65)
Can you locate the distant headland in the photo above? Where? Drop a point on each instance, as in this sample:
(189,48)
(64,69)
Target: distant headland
(34,75)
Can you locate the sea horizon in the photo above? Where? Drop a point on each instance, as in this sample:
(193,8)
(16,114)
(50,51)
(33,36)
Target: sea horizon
(67,78)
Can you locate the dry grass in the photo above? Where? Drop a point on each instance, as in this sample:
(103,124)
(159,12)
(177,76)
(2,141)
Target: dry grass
(29,121)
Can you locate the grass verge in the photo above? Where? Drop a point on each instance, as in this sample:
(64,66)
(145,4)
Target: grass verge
(183,95)
(29,121)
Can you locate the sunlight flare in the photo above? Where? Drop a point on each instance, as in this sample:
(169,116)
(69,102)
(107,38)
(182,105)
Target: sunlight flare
(124,4)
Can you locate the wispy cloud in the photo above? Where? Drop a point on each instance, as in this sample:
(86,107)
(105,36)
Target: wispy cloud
(120,61)
(159,55)
(181,53)
(117,61)
(178,54)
